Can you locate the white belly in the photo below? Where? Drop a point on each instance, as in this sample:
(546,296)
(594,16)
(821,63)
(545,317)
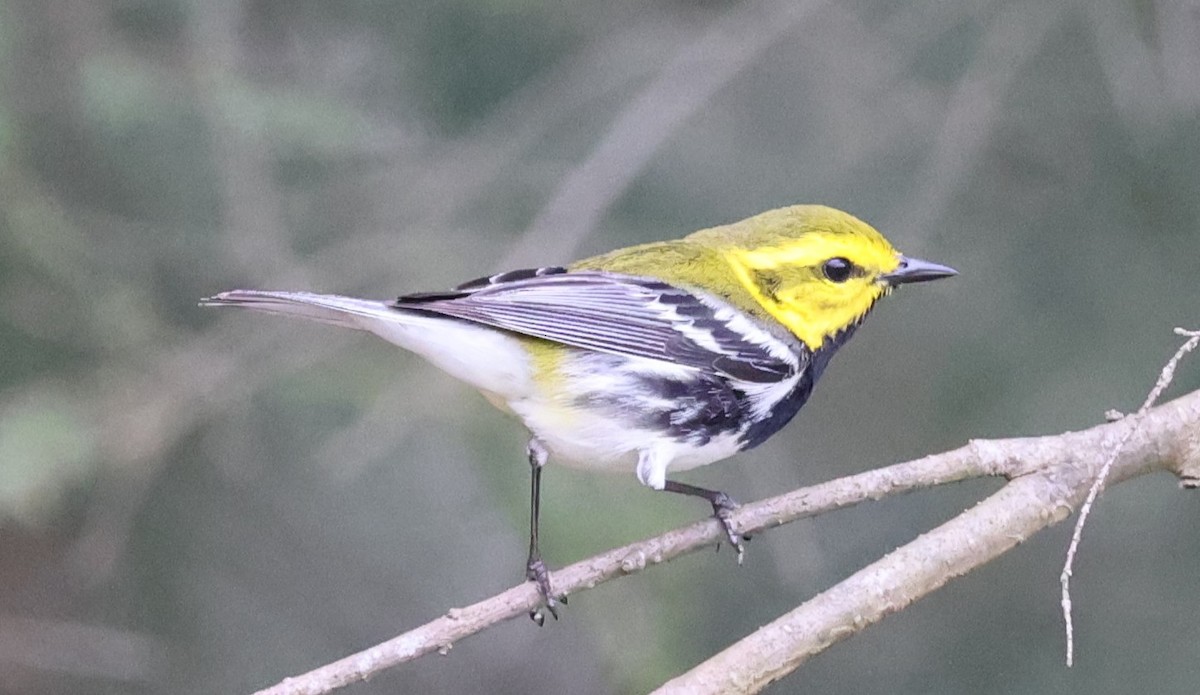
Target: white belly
(590,440)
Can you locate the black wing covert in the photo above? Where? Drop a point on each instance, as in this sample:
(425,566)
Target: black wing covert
(619,314)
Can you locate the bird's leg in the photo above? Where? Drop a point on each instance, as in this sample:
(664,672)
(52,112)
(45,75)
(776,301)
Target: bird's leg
(722,505)
(535,568)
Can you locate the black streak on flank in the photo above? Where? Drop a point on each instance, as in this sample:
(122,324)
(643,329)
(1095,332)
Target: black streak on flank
(705,408)
(700,409)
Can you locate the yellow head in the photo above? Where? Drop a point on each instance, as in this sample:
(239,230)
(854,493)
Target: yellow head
(814,269)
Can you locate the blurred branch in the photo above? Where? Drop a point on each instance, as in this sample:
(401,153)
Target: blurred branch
(1013,38)
(685,84)
(1049,476)
(84,651)
(1133,71)
(253,220)
(1179,31)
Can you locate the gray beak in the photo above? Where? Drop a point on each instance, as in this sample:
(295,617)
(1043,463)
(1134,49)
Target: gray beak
(916,270)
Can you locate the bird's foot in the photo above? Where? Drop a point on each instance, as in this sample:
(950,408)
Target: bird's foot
(723,506)
(537,573)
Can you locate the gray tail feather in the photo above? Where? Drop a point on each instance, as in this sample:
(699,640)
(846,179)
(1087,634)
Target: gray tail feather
(347,312)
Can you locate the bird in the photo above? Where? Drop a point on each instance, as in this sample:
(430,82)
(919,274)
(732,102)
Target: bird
(659,357)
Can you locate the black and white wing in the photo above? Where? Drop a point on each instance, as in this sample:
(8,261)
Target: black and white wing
(620,314)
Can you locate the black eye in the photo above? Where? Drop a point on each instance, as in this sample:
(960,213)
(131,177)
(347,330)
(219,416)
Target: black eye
(837,269)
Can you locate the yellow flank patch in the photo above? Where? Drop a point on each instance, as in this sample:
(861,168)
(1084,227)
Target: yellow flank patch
(545,358)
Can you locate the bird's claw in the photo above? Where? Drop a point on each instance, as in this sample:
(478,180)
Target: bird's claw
(537,573)
(723,506)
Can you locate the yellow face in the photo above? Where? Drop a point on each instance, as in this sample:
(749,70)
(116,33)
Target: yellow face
(820,281)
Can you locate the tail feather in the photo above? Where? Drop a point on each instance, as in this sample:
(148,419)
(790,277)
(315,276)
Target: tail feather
(488,359)
(347,312)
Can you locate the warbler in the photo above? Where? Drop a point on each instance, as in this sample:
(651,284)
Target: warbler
(653,358)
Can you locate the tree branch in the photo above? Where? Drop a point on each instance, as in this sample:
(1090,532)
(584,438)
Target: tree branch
(1049,475)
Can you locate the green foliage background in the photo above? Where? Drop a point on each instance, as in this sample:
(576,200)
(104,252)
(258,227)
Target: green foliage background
(195,501)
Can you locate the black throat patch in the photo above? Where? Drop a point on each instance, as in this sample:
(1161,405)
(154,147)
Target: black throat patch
(786,409)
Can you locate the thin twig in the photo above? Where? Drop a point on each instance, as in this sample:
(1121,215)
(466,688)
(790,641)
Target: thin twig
(1164,380)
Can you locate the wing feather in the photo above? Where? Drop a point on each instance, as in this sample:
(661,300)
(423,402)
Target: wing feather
(619,314)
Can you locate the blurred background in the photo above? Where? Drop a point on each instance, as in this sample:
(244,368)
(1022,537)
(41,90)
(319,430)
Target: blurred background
(201,501)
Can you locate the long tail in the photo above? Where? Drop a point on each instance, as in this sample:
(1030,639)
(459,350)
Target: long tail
(347,312)
(488,359)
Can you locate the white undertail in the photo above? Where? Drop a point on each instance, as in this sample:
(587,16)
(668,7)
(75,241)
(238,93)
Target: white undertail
(452,345)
